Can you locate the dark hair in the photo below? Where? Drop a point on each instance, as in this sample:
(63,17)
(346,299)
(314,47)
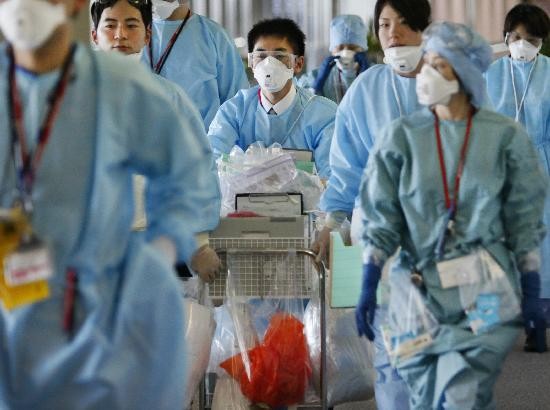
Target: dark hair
(417,13)
(279,27)
(145,8)
(534,19)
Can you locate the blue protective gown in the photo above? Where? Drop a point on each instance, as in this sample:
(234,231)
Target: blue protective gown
(404,205)
(535,117)
(127,348)
(307,124)
(368,106)
(203,61)
(336,85)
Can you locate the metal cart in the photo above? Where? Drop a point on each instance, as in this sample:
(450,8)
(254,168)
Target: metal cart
(255,260)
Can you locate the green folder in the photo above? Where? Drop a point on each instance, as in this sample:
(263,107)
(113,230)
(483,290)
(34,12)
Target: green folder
(345,272)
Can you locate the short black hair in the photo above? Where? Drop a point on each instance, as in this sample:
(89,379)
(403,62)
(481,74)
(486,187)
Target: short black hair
(417,13)
(279,27)
(534,19)
(145,8)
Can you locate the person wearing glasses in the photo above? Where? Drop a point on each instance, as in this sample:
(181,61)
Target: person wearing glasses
(348,58)
(519,87)
(91,314)
(124,26)
(458,189)
(196,53)
(276,110)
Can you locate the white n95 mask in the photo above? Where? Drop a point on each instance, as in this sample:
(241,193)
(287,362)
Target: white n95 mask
(403,59)
(27,24)
(163,9)
(432,88)
(272,75)
(523,50)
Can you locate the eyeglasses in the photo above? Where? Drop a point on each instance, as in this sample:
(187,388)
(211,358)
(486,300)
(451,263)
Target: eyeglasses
(512,37)
(136,3)
(257,57)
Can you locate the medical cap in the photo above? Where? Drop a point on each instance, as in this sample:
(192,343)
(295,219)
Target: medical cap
(348,29)
(468,53)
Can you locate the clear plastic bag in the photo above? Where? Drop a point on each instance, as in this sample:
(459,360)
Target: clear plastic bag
(350,369)
(490,299)
(264,170)
(275,370)
(199,331)
(410,327)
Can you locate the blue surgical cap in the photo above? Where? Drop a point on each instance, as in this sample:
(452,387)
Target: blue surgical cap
(468,53)
(348,29)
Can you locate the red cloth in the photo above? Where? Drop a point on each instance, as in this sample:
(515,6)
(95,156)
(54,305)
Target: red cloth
(279,366)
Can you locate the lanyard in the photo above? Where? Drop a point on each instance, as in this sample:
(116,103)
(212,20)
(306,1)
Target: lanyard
(520,105)
(157,68)
(396,94)
(28,161)
(451,203)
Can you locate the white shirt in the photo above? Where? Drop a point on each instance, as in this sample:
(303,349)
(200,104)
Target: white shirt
(282,105)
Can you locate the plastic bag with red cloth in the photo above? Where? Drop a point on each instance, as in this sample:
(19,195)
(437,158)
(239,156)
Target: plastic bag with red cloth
(279,366)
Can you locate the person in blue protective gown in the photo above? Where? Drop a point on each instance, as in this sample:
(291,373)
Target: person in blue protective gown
(103,327)
(381,94)
(121,26)
(197,54)
(348,48)
(276,111)
(443,183)
(519,87)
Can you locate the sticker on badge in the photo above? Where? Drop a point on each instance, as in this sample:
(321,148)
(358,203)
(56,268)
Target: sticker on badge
(486,313)
(27,264)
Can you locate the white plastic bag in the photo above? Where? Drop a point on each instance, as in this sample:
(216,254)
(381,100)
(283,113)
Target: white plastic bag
(199,331)
(350,369)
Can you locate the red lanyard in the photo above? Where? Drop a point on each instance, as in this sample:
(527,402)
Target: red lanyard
(158,66)
(29,160)
(451,203)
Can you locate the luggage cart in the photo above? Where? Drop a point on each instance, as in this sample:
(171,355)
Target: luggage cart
(255,260)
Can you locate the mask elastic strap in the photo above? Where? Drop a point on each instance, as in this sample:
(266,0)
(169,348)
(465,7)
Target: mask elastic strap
(520,105)
(395,93)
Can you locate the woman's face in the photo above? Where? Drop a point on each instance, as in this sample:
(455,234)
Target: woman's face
(393,31)
(520,33)
(440,64)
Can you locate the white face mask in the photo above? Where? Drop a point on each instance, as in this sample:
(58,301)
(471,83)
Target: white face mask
(272,75)
(523,50)
(27,24)
(432,88)
(164,9)
(403,59)
(346,62)
(135,57)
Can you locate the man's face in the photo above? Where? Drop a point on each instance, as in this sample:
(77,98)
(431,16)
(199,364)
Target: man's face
(282,45)
(121,28)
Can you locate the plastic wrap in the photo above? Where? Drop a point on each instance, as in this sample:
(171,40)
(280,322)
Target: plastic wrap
(272,368)
(350,370)
(264,170)
(490,299)
(199,331)
(228,396)
(411,326)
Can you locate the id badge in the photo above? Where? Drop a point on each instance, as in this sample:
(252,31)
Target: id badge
(23,265)
(486,313)
(406,345)
(464,270)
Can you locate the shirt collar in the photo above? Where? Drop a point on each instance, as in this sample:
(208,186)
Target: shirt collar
(282,105)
